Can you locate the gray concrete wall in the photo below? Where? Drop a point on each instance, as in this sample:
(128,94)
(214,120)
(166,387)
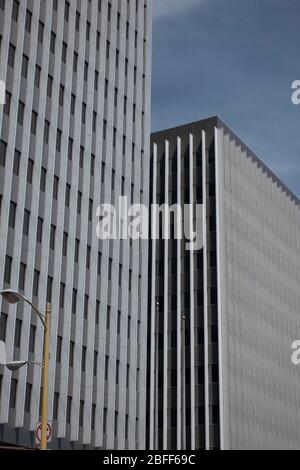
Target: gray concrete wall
(258,227)
(129,348)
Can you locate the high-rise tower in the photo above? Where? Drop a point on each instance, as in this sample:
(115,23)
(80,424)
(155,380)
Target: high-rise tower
(224,316)
(74,134)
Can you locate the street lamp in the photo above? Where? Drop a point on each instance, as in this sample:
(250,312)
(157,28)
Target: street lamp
(13,365)
(13,297)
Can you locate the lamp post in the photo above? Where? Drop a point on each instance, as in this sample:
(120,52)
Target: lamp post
(13,297)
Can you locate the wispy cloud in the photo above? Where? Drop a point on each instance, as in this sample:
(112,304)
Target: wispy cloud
(163,8)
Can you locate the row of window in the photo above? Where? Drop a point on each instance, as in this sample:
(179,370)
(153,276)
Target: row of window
(30,168)
(36,279)
(37,79)
(186,299)
(32,339)
(28,398)
(185,263)
(28,21)
(34,121)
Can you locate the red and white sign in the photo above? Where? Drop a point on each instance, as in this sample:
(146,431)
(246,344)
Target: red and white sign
(38,433)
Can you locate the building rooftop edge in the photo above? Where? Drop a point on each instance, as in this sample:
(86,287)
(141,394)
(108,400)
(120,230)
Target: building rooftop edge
(216,121)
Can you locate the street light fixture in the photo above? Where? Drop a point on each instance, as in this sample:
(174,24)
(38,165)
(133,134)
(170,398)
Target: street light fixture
(13,365)
(12,297)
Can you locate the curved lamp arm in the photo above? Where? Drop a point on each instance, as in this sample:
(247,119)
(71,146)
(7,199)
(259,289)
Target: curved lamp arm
(13,296)
(37,311)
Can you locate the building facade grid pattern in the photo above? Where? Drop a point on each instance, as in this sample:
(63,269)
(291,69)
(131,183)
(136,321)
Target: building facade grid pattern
(73,135)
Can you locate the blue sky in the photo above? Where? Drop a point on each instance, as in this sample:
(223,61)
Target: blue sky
(236,59)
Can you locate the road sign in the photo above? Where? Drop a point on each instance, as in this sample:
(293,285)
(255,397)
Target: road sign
(38,433)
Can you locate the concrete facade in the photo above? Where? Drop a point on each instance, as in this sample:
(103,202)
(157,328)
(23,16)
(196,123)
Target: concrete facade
(222,319)
(74,134)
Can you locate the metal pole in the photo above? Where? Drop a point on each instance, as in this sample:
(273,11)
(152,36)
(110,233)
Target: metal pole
(156,375)
(46,357)
(183,385)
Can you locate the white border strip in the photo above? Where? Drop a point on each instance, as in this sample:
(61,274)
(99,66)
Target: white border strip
(153,313)
(166,308)
(179,316)
(218,238)
(205,304)
(192,299)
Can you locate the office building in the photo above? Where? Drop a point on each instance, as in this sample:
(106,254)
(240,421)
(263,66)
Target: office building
(223,317)
(74,134)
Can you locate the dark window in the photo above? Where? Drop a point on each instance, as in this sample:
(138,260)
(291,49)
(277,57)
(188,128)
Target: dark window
(46,131)
(24,66)
(7,269)
(6,108)
(61,95)
(3,146)
(28,398)
(52,42)
(37,77)
(12,214)
(67,11)
(3,324)
(75,62)
(28,21)
(83,359)
(55,405)
(30,171)
(17,157)
(97,312)
(58,140)
(55,187)
(62,295)
(69,409)
(15,10)
(49,86)
(34,118)
(13,393)
(68,193)
(77,245)
(39,233)
(79,199)
(11,56)
(95,363)
(70,149)
(110,269)
(21,110)
(32,338)
(22,277)
(18,329)
(93,417)
(104,420)
(74,301)
(36,282)
(65,244)
(58,349)
(43,180)
(73,103)
(86,306)
(77,23)
(117,372)
(41,32)
(49,289)
(72,348)
(106,367)
(64,53)
(88,31)
(108,317)
(116,423)
(81,413)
